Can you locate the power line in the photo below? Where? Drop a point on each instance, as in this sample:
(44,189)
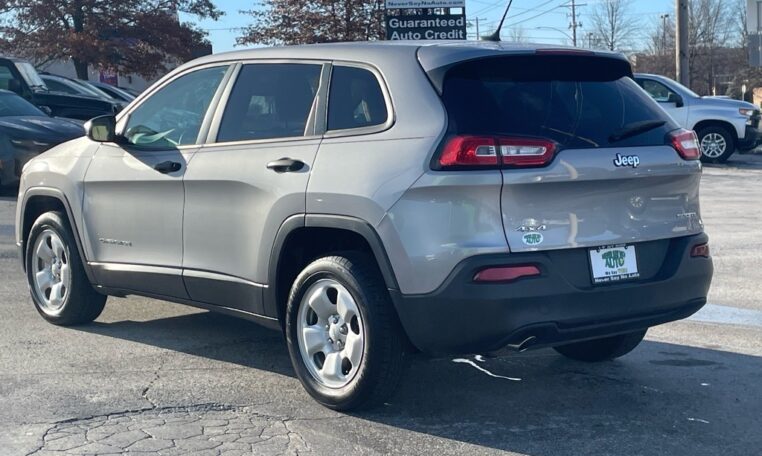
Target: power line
(536,16)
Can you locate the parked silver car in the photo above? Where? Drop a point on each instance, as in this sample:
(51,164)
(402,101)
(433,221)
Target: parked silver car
(368,199)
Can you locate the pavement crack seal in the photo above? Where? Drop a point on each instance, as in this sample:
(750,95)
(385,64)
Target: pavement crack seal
(480,368)
(156,377)
(305,447)
(43,438)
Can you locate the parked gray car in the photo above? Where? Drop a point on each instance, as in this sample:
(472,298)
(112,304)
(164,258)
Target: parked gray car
(373,199)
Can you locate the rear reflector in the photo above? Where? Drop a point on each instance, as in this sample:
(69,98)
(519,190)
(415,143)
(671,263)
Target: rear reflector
(493,152)
(686,144)
(506,273)
(701,250)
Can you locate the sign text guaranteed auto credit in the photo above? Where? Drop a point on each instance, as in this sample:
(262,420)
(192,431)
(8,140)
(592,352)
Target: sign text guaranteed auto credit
(405,4)
(426,27)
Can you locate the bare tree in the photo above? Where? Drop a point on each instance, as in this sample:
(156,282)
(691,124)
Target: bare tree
(711,30)
(613,24)
(659,55)
(517,34)
(718,48)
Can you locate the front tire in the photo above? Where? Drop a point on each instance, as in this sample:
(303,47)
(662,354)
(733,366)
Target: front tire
(608,348)
(344,339)
(59,286)
(717,144)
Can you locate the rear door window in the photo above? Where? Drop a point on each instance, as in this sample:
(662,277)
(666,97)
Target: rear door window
(356,99)
(270,101)
(578,103)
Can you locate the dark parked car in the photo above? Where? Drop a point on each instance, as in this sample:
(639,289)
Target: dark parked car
(25,132)
(20,77)
(117,93)
(62,84)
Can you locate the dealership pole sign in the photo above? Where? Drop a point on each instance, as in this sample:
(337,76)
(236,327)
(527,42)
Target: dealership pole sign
(426,20)
(422,4)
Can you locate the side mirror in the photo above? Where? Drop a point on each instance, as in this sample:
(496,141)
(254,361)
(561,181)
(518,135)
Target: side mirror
(676,99)
(101,129)
(46,110)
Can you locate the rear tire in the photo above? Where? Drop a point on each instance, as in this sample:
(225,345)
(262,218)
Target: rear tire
(608,348)
(717,144)
(59,286)
(344,338)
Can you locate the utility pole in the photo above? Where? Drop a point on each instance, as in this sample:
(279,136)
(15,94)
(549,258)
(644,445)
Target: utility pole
(664,18)
(682,63)
(477,29)
(574,24)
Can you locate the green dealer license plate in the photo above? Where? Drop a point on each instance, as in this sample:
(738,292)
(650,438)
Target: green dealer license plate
(613,264)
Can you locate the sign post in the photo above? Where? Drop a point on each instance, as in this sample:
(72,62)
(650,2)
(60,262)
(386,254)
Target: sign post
(426,20)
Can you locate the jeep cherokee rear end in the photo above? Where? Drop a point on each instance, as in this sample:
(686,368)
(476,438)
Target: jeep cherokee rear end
(564,155)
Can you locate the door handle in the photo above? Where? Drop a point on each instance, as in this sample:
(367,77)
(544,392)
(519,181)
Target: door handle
(168,167)
(286,165)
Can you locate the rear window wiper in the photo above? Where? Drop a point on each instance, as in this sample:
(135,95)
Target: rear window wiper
(634,129)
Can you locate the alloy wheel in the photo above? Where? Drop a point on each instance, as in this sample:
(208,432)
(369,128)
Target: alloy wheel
(713,145)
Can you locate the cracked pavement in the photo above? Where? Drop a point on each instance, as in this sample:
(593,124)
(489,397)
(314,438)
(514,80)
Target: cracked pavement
(150,377)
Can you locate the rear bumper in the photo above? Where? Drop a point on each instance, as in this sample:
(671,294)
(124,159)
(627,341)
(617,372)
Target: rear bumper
(558,307)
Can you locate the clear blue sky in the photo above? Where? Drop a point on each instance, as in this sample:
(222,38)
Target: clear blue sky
(537,17)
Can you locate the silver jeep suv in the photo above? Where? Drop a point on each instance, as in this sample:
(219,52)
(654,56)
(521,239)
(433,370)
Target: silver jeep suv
(373,199)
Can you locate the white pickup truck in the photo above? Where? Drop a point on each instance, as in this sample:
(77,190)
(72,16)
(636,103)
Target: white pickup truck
(723,125)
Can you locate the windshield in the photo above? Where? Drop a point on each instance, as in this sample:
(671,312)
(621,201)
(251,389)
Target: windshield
(14,105)
(576,104)
(30,74)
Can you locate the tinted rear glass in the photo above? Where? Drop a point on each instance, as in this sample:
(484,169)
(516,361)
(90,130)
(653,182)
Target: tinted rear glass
(579,102)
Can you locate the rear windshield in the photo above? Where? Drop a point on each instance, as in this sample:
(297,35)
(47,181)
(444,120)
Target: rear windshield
(579,102)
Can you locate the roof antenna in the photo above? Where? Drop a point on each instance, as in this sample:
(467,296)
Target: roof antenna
(496,36)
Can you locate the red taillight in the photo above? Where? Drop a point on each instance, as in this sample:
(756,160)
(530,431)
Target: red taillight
(489,151)
(469,151)
(701,250)
(686,144)
(505,273)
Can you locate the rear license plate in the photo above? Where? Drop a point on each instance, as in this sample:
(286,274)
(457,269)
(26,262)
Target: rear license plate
(614,264)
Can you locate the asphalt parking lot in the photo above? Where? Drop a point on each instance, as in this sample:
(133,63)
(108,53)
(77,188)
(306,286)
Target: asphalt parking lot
(151,377)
